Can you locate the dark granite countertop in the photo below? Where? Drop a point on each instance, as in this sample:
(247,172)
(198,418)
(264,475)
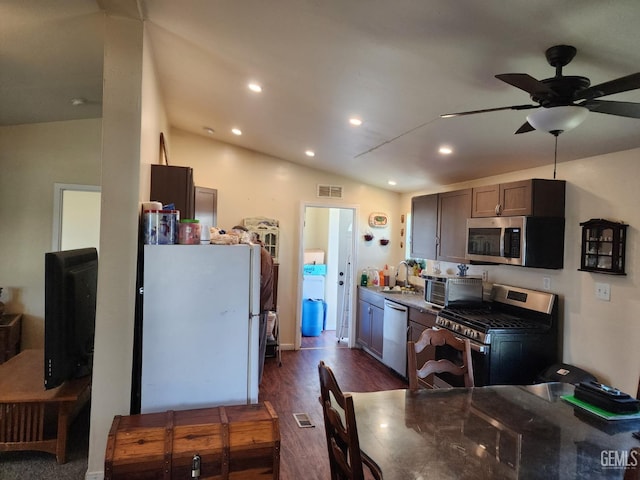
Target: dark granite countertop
(496,432)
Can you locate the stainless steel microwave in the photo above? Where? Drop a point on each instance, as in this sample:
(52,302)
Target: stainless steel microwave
(525,241)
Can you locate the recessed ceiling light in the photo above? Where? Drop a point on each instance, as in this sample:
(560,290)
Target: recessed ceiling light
(236,131)
(254,87)
(209,130)
(355,121)
(310,153)
(445,150)
(392,182)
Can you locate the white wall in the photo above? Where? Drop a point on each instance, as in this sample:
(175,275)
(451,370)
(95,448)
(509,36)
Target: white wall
(253,184)
(33,158)
(111,388)
(601,337)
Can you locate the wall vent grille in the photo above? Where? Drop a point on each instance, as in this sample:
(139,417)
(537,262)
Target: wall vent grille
(329,191)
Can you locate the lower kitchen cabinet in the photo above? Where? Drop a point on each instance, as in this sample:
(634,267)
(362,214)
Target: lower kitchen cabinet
(370,325)
(420,320)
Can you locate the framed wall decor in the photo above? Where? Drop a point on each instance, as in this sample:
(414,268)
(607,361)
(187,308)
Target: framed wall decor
(378,219)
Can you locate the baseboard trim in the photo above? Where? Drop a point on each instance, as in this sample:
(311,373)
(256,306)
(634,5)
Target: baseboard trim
(94,476)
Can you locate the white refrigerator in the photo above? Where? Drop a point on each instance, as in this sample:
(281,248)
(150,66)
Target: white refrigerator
(200,326)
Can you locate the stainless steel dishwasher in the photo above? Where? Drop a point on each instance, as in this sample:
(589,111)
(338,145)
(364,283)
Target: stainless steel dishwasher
(394,340)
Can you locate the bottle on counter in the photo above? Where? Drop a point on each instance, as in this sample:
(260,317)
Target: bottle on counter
(392,277)
(385,275)
(364,278)
(376,278)
(382,279)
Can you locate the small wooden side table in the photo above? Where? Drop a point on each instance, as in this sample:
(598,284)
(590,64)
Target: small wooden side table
(26,408)
(10,328)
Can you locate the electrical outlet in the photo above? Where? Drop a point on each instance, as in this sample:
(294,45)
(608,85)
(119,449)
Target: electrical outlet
(546,283)
(485,276)
(603,291)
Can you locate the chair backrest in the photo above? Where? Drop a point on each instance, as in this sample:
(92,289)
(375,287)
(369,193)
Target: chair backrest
(345,457)
(436,338)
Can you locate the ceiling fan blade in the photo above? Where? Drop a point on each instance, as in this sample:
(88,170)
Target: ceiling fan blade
(622,84)
(526,127)
(473,112)
(525,82)
(621,109)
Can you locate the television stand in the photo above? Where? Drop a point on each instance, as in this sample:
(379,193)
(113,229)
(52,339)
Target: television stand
(32,418)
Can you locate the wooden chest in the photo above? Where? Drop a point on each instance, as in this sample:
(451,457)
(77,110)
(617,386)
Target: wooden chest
(10,325)
(233,442)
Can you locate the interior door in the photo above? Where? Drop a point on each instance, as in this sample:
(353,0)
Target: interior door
(344,283)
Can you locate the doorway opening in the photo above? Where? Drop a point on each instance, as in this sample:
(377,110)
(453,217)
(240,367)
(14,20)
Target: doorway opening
(327,283)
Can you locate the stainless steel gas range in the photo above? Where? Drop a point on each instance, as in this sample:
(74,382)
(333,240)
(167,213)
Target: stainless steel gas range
(513,337)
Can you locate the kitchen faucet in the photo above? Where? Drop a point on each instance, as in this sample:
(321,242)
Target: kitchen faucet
(406,266)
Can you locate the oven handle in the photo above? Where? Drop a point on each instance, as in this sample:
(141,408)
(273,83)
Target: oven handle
(475,346)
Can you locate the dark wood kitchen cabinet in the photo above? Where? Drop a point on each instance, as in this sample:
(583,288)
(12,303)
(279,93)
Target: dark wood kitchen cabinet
(171,184)
(419,320)
(453,210)
(536,197)
(369,329)
(424,226)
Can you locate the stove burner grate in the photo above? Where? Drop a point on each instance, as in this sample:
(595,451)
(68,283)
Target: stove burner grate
(484,319)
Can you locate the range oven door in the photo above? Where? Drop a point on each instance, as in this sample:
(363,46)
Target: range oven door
(479,357)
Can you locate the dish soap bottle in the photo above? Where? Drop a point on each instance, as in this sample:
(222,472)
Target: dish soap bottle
(376,277)
(364,278)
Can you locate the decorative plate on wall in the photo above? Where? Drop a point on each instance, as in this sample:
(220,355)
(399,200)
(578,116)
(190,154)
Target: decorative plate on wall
(378,219)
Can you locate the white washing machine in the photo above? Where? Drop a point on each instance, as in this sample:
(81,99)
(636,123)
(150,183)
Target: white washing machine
(313,287)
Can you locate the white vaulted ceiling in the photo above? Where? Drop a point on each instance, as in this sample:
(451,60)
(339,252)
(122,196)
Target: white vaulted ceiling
(396,64)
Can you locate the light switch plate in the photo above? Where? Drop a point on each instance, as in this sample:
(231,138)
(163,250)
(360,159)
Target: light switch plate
(603,291)
(546,283)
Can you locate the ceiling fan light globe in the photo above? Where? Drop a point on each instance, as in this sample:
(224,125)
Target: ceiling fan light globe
(557,119)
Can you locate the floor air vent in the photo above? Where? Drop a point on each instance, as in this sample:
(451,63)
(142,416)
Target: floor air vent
(329,191)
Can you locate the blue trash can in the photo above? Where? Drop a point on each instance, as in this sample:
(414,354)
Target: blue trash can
(312,317)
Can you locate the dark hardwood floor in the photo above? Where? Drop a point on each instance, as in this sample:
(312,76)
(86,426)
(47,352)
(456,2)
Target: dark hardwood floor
(294,387)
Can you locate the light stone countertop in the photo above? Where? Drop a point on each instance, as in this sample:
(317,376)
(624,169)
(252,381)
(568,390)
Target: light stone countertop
(411,300)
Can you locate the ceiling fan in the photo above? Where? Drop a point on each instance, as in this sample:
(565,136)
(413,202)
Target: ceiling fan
(563,102)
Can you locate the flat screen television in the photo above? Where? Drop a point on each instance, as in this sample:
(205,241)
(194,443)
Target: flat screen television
(71,279)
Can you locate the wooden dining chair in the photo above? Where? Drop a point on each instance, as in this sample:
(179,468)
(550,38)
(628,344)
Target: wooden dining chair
(345,457)
(438,337)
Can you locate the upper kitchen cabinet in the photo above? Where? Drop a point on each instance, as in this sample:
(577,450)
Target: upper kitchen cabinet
(174,185)
(453,210)
(424,226)
(535,197)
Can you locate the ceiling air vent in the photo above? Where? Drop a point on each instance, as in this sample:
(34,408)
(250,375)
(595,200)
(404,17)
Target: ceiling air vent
(329,191)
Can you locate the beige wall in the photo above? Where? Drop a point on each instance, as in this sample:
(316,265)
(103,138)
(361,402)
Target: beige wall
(253,184)
(316,229)
(121,171)
(602,337)
(33,158)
